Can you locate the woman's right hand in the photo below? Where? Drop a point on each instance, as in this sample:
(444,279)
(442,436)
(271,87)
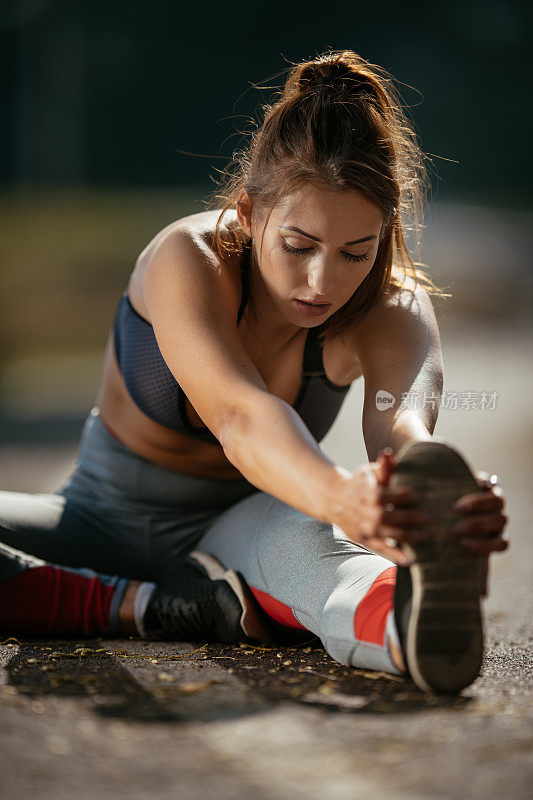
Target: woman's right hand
(372,514)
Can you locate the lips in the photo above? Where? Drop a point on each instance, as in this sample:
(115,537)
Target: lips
(314,309)
(312,302)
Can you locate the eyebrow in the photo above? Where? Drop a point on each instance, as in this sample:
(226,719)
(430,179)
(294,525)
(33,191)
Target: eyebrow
(310,236)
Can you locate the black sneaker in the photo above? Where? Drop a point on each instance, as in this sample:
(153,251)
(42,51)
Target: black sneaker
(438,598)
(198,599)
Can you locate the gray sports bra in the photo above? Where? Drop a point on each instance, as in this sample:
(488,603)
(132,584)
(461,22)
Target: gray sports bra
(157,393)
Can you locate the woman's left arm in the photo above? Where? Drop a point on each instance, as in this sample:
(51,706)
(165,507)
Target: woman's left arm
(398,346)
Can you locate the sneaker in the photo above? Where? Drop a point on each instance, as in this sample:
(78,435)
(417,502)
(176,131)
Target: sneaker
(198,599)
(438,598)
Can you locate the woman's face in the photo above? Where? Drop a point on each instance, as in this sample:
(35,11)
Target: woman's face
(318,247)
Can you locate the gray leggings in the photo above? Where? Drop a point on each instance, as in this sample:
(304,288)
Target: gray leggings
(123,517)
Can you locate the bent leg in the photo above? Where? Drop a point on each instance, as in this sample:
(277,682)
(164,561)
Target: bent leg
(65,564)
(306,573)
(41,598)
(75,533)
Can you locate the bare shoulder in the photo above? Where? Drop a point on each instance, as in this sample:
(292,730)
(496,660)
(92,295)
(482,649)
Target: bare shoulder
(194,236)
(202,225)
(184,253)
(400,306)
(403,315)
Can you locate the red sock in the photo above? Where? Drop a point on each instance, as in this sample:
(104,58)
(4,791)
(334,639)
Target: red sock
(50,600)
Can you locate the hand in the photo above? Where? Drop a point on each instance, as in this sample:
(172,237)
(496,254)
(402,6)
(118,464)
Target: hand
(371,514)
(482,529)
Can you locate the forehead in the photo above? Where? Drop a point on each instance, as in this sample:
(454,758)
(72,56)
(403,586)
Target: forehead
(328,209)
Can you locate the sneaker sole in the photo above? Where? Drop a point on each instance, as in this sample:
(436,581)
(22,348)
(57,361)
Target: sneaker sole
(444,637)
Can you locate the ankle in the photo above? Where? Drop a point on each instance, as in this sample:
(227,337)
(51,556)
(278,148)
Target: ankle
(396,655)
(126,618)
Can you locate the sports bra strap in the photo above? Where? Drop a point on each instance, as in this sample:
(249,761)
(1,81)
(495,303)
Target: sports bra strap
(244,280)
(313,363)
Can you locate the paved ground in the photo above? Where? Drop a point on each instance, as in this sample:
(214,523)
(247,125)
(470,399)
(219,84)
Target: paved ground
(129,718)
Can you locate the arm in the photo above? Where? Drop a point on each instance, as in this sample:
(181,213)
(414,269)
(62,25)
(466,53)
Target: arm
(399,348)
(193,300)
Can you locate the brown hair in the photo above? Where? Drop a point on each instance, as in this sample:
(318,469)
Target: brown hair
(338,124)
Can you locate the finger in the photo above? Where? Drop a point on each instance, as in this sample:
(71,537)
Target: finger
(480,502)
(482,477)
(389,551)
(385,466)
(411,518)
(385,532)
(399,496)
(487,480)
(480,524)
(483,547)
(467,500)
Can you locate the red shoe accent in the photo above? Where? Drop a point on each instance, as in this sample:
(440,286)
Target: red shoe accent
(277,610)
(371,615)
(49,600)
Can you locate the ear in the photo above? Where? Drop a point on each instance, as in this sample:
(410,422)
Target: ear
(244,212)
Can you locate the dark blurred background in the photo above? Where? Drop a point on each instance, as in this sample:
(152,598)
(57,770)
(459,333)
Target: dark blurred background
(97,99)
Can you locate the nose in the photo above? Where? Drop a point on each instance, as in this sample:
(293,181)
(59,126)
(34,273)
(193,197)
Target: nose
(319,280)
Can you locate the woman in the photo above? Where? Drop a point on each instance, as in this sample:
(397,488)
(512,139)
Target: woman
(201,506)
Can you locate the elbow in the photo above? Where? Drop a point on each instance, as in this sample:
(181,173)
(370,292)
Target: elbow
(235,432)
(250,426)
(229,434)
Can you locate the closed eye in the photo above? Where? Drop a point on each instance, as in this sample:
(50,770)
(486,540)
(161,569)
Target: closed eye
(300,252)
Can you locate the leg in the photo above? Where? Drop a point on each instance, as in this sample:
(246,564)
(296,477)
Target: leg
(40,597)
(46,587)
(37,597)
(308,574)
(117,514)
(75,532)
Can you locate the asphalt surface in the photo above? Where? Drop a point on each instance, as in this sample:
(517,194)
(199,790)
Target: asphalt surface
(135,719)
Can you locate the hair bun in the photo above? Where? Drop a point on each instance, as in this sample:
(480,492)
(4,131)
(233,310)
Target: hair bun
(334,74)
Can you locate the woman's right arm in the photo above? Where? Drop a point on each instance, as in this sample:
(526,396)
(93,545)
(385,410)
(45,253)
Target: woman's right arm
(193,304)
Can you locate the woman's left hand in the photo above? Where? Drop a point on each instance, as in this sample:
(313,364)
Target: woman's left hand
(481,530)
(484,520)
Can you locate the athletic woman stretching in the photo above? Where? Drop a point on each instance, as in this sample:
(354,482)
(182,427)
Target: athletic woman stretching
(201,505)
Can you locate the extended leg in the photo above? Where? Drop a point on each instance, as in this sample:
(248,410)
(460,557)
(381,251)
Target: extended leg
(306,573)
